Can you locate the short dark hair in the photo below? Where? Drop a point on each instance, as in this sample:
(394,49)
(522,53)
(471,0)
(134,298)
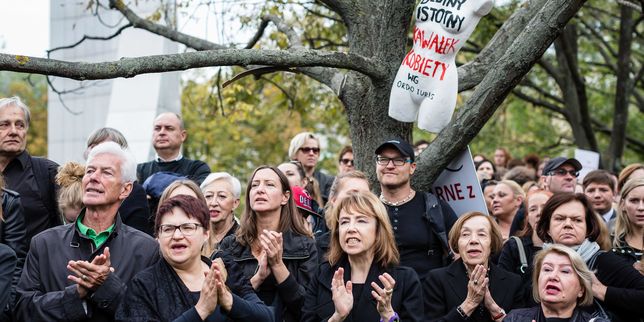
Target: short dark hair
(593,226)
(346,149)
(193,207)
(599,177)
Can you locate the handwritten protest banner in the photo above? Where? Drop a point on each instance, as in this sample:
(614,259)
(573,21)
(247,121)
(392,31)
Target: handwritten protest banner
(426,84)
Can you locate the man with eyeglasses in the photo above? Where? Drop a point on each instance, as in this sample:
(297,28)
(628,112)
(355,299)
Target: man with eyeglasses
(420,220)
(560,174)
(79,272)
(305,148)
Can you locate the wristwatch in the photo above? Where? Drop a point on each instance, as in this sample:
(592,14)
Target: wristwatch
(394,318)
(500,315)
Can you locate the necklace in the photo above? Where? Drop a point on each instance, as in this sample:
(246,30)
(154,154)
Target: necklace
(412,193)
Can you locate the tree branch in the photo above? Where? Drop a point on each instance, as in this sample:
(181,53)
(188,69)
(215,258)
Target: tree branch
(130,67)
(517,60)
(86,37)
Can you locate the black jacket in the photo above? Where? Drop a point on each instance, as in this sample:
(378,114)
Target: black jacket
(446,288)
(159,294)
(325,181)
(7,265)
(300,257)
(135,211)
(406,300)
(13,231)
(511,262)
(535,314)
(45,293)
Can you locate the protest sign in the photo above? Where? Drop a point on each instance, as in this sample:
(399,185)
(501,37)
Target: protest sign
(459,185)
(589,161)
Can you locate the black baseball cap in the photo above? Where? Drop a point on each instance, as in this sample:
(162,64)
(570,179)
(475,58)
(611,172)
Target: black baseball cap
(557,162)
(405,149)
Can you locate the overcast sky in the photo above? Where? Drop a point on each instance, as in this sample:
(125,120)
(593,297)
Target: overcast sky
(24,27)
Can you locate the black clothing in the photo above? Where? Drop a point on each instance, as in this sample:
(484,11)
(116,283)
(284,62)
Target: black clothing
(34,179)
(406,300)
(627,252)
(7,267)
(535,313)
(625,287)
(300,258)
(446,288)
(420,228)
(322,244)
(325,181)
(195,170)
(518,221)
(135,211)
(158,294)
(510,261)
(45,293)
(12,232)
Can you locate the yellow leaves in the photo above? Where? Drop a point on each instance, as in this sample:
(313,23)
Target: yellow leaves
(155,16)
(22,60)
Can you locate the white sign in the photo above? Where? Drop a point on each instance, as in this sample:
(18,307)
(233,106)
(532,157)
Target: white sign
(459,186)
(589,161)
(426,84)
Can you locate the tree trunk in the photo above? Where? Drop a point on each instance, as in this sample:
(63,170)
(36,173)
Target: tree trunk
(623,90)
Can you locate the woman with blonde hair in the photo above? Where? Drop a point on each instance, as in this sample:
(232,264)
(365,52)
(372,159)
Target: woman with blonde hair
(363,253)
(70,196)
(506,203)
(222,192)
(562,285)
(629,226)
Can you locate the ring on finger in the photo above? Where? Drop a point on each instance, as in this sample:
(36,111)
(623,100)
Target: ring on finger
(475,282)
(84,277)
(389,290)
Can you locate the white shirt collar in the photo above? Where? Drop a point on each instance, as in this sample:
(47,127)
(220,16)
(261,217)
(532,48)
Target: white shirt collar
(159,159)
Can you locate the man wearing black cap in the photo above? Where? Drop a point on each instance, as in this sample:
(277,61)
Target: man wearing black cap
(560,175)
(420,220)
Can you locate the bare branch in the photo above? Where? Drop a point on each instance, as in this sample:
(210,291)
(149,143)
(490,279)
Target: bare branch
(258,34)
(86,37)
(538,102)
(286,29)
(138,22)
(130,67)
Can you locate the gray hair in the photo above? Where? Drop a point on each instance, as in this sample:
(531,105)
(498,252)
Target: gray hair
(17,102)
(234,182)
(181,124)
(107,134)
(128,163)
(298,141)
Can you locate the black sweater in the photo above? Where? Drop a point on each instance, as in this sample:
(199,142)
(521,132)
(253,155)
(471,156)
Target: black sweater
(195,170)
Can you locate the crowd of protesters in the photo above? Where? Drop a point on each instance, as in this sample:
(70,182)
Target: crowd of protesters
(111,240)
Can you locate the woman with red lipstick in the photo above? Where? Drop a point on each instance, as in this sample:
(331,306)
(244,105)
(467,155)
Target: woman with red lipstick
(472,288)
(362,280)
(568,219)
(629,226)
(562,284)
(221,191)
(183,285)
(272,246)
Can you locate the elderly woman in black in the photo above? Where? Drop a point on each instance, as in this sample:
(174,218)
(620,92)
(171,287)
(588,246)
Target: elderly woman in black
(568,219)
(272,245)
(472,288)
(183,285)
(363,253)
(562,285)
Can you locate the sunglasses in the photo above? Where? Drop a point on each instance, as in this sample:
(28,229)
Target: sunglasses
(309,150)
(347,161)
(562,173)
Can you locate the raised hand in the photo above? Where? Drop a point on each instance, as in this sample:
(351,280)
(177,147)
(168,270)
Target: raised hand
(223,293)
(383,296)
(208,298)
(272,243)
(263,270)
(476,289)
(342,295)
(89,276)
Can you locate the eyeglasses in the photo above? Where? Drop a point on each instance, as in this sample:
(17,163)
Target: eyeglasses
(309,150)
(346,161)
(562,173)
(187,229)
(396,161)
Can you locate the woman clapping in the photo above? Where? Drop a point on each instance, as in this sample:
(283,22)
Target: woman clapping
(362,280)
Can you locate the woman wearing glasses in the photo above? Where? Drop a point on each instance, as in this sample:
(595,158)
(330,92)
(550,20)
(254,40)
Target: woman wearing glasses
(305,147)
(272,245)
(345,160)
(183,285)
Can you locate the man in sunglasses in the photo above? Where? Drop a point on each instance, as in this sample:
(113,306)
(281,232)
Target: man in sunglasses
(420,220)
(560,174)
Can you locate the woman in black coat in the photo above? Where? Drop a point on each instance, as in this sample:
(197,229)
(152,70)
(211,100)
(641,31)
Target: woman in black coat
(568,219)
(272,246)
(363,252)
(472,288)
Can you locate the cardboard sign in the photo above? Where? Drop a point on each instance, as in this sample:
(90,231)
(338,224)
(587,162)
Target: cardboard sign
(589,161)
(426,84)
(459,185)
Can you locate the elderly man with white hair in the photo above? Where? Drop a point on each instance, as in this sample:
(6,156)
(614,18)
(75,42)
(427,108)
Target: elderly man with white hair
(78,272)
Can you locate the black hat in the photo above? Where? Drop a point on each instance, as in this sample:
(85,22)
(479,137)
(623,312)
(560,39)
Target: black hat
(402,146)
(557,162)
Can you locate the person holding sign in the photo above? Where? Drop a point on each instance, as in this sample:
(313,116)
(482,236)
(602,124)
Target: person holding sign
(420,220)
